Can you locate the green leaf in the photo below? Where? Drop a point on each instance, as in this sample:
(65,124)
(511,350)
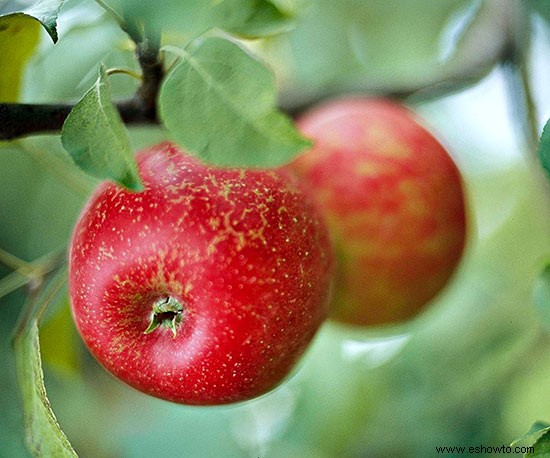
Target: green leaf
(43,11)
(97,140)
(544,147)
(219,103)
(44,436)
(541,296)
(541,447)
(536,430)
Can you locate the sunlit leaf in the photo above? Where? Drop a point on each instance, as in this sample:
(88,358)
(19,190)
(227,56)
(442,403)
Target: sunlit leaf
(219,103)
(19,36)
(544,147)
(97,140)
(59,341)
(45,12)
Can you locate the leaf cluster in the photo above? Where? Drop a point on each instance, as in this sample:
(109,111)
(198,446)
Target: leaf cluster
(214,98)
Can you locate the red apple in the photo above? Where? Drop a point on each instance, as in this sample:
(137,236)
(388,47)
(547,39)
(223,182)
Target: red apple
(206,287)
(393,200)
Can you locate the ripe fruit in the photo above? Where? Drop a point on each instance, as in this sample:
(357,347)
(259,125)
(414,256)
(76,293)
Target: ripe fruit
(393,201)
(206,287)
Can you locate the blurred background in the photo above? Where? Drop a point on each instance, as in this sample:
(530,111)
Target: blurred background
(472,370)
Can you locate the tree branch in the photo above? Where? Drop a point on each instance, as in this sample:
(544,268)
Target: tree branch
(21,119)
(18,119)
(148,56)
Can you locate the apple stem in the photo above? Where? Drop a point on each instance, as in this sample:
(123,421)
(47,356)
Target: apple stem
(168,313)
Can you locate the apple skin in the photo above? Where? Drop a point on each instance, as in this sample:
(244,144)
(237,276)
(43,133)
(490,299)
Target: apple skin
(244,253)
(394,203)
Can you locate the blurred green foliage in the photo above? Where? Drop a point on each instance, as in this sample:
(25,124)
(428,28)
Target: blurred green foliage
(378,46)
(472,370)
(250,18)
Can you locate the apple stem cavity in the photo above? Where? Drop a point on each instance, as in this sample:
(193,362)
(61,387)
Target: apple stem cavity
(167,313)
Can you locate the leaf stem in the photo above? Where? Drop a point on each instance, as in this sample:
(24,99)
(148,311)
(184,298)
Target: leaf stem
(32,273)
(123,71)
(13,261)
(11,283)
